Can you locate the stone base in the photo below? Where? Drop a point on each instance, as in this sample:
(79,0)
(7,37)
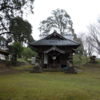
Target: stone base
(70,70)
(36,69)
(93,62)
(53,70)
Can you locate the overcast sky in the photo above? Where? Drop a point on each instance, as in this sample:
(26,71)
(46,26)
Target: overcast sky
(82,13)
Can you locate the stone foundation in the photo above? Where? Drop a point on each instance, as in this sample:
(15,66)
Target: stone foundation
(36,69)
(70,70)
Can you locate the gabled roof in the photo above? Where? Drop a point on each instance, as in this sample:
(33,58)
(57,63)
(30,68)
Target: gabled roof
(54,48)
(55,34)
(55,42)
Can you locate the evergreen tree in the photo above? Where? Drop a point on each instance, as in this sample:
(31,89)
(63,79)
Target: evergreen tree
(21,31)
(10,9)
(16,48)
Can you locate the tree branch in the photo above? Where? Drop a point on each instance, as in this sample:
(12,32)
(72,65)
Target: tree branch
(4,33)
(5,7)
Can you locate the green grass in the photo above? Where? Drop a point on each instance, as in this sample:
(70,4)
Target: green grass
(51,85)
(84,60)
(22,85)
(23,67)
(76,59)
(23,60)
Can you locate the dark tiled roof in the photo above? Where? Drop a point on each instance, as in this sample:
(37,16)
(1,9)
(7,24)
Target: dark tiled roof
(54,48)
(54,43)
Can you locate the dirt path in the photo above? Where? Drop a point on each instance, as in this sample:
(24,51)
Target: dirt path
(78,70)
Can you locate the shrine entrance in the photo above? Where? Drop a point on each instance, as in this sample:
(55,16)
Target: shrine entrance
(54,57)
(54,61)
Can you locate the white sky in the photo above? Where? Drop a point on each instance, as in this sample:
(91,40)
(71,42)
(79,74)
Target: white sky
(82,13)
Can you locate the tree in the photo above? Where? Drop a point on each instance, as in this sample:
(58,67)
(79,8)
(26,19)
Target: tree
(80,50)
(94,34)
(21,31)
(28,53)
(89,47)
(59,20)
(85,44)
(2,43)
(12,8)
(79,39)
(16,48)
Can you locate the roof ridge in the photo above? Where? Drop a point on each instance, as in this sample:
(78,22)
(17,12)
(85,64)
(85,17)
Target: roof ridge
(55,33)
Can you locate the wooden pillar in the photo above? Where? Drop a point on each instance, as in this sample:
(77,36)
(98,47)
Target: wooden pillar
(60,60)
(48,61)
(71,58)
(42,58)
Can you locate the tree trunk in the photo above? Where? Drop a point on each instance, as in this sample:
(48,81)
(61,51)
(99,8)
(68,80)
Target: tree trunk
(80,57)
(15,57)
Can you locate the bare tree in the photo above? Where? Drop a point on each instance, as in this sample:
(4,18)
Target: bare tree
(59,20)
(89,47)
(94,36)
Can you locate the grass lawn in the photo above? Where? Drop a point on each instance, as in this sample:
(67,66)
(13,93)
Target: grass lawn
(23,60)
(78,61)
(51,85)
